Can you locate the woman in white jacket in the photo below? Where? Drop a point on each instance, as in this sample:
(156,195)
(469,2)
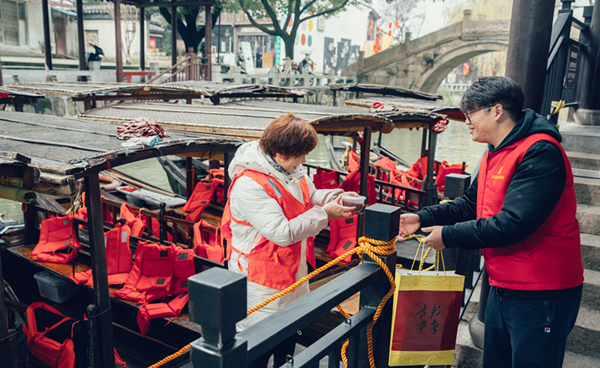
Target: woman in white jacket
(273,212)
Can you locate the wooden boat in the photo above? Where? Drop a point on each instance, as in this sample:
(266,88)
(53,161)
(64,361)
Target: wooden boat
(52,156)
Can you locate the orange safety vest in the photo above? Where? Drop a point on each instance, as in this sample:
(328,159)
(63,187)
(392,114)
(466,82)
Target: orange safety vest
(269,264)
(199,200)
(58,241)
(207,244)
(119,258)
(342,236)
(152,273)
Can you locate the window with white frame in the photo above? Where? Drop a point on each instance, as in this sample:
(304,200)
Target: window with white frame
(13,23)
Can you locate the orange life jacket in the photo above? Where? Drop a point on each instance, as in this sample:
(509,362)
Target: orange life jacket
(134,222)
(342,236)
(218,176)
(119,258)
(199,200)
(58,241)
(183,268)
(56,340)
(208,244)
(138,223)
(353,161)
(160,310)
(326,179)
(49,335)
(152,273)
(444,169)
(269,264)
(352,184)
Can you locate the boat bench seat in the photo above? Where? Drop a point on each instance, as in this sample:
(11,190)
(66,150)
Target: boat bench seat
(64,270)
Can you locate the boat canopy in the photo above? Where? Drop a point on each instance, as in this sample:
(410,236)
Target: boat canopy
(383,90)
(48,153)
(409,105)
(248,119)
(184,90)
(229,90)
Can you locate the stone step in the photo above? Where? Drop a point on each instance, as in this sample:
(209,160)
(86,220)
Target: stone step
(583,344)
(589,219)
(580,160)
(579,138)
(590,298)
(587,190)
(585,336)
(590,251)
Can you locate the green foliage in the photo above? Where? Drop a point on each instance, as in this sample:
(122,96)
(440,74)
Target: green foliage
(290,12)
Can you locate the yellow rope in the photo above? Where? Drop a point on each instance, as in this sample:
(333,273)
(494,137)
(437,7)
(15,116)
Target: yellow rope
(380,248)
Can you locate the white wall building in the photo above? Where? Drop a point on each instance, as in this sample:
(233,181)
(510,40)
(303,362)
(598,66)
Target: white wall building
(334,43)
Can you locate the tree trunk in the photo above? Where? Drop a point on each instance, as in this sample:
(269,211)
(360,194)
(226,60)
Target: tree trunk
(289,45)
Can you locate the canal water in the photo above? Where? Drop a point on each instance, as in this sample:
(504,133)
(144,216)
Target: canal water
(454,145)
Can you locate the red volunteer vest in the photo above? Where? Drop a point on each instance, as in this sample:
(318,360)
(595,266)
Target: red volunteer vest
(550,258)
(269,264)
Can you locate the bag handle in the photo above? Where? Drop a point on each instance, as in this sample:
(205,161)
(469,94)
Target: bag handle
(438,255)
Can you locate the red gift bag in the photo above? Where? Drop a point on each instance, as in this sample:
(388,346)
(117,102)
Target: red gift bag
(425,317)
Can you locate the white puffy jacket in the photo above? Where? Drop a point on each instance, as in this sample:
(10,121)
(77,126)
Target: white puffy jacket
(249,202)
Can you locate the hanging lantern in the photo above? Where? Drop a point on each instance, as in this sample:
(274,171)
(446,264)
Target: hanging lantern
(390,25)
(371,23)
(390,33)
(377,30)
(397,24)
(371,29)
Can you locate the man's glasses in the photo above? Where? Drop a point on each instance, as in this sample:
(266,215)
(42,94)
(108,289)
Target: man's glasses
(468,114)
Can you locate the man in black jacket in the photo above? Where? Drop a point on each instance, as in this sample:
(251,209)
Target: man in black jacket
(520,210)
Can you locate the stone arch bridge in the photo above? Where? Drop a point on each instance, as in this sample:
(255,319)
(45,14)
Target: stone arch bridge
(423,63)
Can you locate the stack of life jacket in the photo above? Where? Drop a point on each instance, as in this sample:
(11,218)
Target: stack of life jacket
(58,242)
(183,268)
(342,236)
(208,244)
(56,340)
(326,179)
(199,200)
(119,258)
(352,184)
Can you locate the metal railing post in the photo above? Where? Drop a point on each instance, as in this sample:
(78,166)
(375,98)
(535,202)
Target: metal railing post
(381,223)
(217,302)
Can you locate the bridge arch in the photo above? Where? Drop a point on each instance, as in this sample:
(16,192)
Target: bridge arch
(433,77)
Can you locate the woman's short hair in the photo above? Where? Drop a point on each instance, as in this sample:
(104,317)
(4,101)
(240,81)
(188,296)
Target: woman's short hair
(289,136)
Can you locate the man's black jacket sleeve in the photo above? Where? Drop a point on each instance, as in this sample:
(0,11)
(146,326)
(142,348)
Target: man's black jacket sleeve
(534,191)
